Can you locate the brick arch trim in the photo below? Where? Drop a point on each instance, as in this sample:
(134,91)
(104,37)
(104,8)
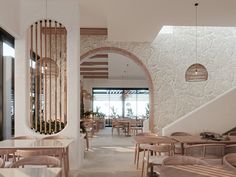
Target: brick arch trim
(138,62)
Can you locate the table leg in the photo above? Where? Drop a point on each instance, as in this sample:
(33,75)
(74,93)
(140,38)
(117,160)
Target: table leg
(67,161)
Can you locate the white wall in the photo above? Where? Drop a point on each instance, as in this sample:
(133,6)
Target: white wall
(67,13)
(9,16)
(169,57)
(219,115)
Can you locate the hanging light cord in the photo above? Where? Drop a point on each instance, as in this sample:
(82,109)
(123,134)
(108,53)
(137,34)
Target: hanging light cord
(196,5)
(46,8)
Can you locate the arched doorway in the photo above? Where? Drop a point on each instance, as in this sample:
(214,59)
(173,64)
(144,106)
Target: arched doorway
(138,62)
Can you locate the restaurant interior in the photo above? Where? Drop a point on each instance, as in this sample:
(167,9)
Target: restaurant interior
(117,88)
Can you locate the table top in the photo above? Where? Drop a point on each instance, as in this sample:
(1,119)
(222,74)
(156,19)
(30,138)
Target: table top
(153,139)
(29,172)
(199,139)
(35,143)
(195,171)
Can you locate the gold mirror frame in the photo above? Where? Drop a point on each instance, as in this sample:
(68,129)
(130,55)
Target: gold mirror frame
(47,53)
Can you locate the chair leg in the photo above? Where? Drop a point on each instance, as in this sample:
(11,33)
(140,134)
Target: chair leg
(135,153)
(142,173)
(138,152)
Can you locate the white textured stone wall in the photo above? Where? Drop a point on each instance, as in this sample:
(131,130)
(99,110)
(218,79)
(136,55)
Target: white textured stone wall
(169,57)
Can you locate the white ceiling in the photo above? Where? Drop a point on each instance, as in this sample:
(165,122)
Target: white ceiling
(141,20)
(123,68)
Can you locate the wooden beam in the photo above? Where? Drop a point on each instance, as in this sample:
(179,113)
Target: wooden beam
(93,63)
(99,56)
(58,31)
(93,73)
(95,77)
(93,31)
(93,69)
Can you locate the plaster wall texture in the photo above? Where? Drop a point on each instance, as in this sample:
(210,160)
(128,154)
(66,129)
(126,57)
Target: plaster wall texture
(169,57)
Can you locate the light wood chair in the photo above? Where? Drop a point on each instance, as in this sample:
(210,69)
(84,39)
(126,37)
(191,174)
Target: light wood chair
(229,161)
(141,141)
(230,148)
(117,125)
(206,151)
(233,133)
(2,163)
(178,149)
(48,161)
(161,151)
(183,160)
(136,126)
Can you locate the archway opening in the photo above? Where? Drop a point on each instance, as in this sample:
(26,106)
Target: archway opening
(103,52)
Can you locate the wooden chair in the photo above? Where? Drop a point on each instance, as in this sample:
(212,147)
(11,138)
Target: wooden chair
(2,163)
(161,151)
(229,161)
(142,141)
(183,160)
(117,125)
(178,149)
(230,148)
(233,133)
(49,161)
(206,151)
(136,126)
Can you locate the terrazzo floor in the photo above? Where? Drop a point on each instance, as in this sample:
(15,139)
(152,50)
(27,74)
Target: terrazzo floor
(109,156)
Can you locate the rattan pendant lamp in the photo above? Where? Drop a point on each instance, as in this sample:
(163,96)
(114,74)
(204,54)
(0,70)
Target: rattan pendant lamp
(196,72)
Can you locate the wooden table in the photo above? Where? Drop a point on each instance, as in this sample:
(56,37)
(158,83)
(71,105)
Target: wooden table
(30,172)
(194,171)
(199,140)
(126,124)
(40,144)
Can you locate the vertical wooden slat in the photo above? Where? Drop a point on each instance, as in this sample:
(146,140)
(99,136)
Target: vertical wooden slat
(60,106)
(50,77)
(65,80)
(45,82)
(56,77)
(31,77)
(36,77)
(40,79)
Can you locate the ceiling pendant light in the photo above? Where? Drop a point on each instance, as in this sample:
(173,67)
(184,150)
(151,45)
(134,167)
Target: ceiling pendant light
(196,72)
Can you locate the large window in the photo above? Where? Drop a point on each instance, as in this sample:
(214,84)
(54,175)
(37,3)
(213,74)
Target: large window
(7,54)
(124,102)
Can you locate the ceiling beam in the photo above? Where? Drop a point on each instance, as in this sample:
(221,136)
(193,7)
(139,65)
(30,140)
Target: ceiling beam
(93,31)
(93,63)
(95,77)
(93,73)
(99,56)
(93,69)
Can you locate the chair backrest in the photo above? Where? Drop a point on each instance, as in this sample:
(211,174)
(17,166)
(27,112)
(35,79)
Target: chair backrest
(230,148)
(183,160)
(205,150)
(162,148)
(180,134)
(48,161)
(23,137)
(2,163)
(229,161)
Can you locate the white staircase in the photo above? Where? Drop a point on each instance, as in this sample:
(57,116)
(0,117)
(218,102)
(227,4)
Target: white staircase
(218,115)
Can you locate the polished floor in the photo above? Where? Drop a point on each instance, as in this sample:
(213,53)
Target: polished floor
(109,156)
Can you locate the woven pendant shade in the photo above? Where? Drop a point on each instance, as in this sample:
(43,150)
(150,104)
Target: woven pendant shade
(50,67)
(196,73)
